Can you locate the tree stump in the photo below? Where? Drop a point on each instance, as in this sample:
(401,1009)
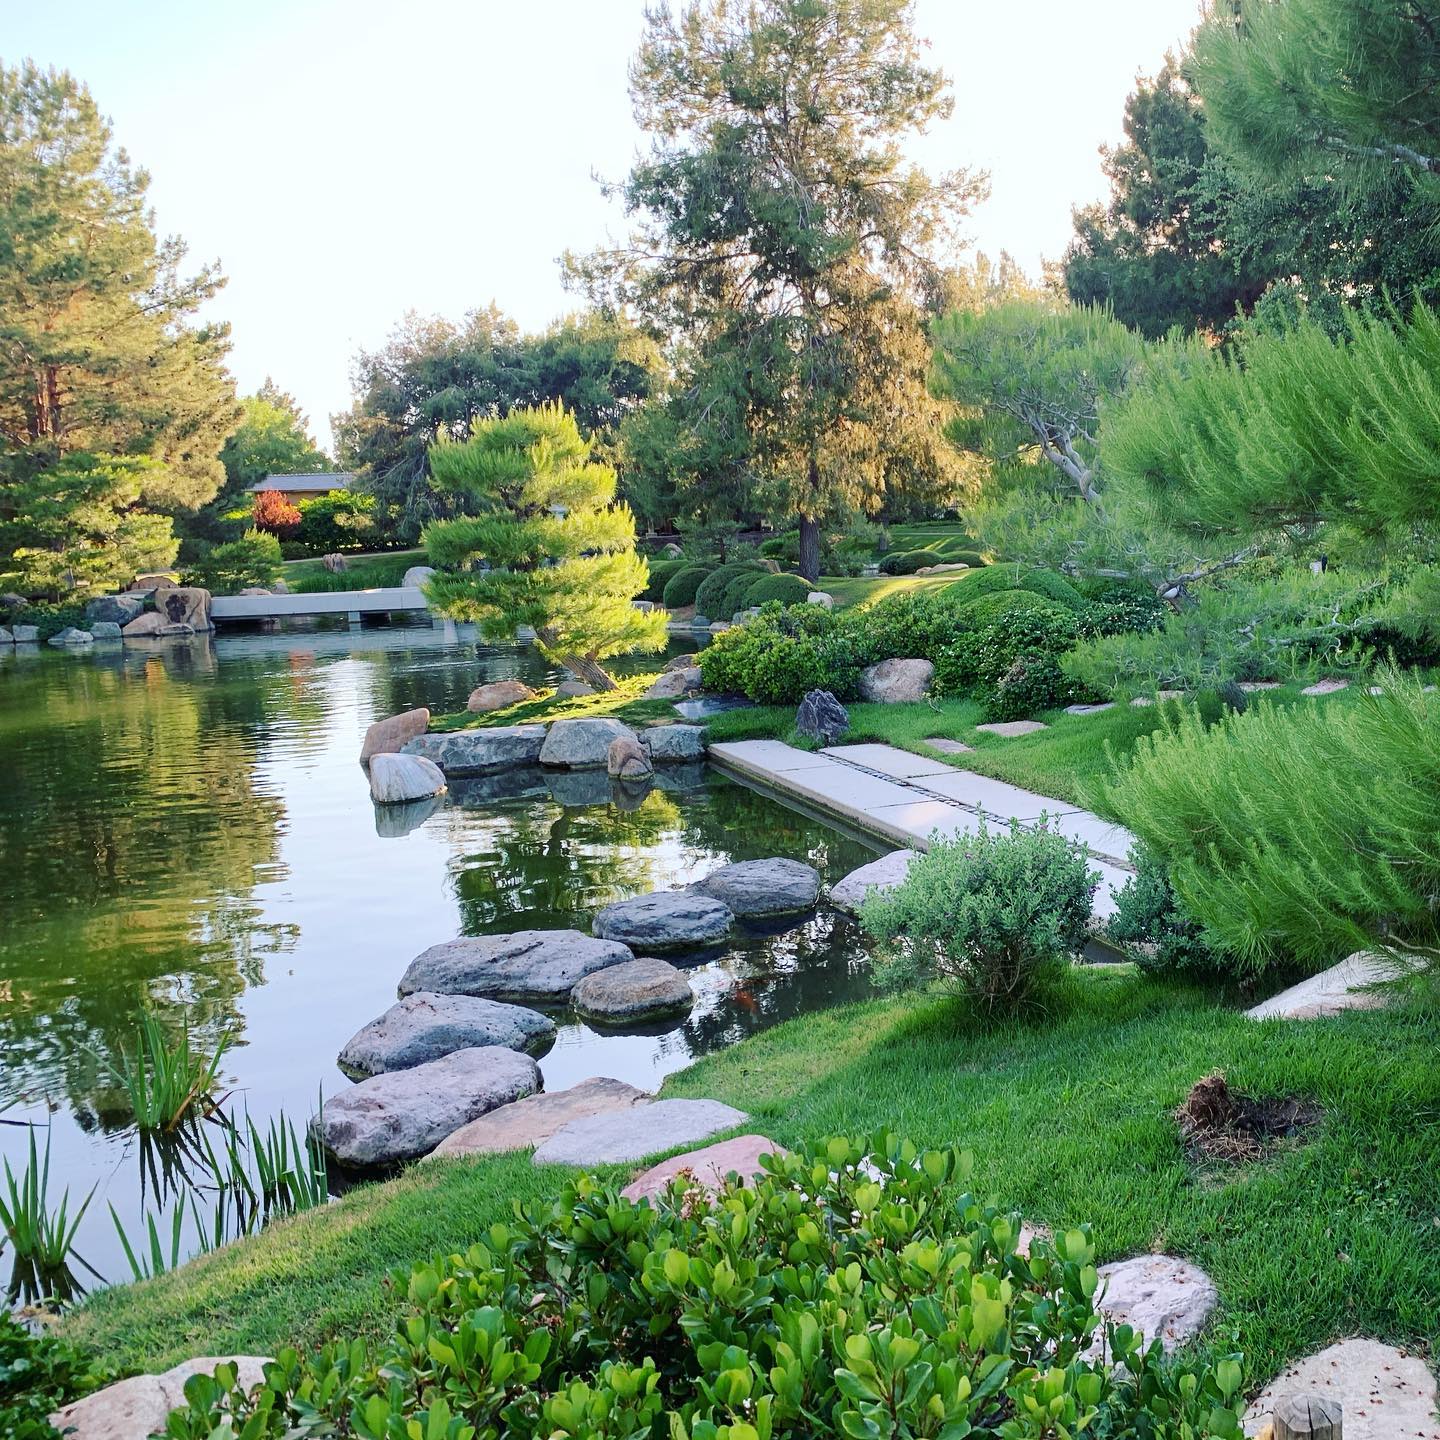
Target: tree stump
(1307,1417)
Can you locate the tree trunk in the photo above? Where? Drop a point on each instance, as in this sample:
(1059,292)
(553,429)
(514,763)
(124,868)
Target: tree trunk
(588,670)
(810,549)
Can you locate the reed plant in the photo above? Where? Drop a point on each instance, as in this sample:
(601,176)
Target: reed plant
(167,1082)
(41,1239)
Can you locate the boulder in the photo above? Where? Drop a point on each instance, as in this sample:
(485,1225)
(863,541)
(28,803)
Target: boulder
(674,744)
(425,1026)
(137,1408)
(582,744)
(25,634)
(6,638)
(573,690)
(628,759)
(760,888)
(335,563)
(666,922)
(699,622)
(636,990)
(821,717)
(719,627)
(878,876)
(671,551)
(390,736)
(148,584)
(707,1168)
(528,1122)
(10,602)
(1011,729)
(643,606)
(821,597)
(117,609)
(1162,1297)
(398,779)
(896,682)
(498,695)
(675,683)
(543,965)
(416,576)
(184,605)
(104,630)
(152,622)
(481,752)
(404,1114)
(71,636)
(1346,986)
(687,661)
(620,1136)
(279,588)
(1384,1393)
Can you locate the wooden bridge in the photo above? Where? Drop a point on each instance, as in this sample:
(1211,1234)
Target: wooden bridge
(353,604)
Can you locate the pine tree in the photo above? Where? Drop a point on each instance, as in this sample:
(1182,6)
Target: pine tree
(560,551)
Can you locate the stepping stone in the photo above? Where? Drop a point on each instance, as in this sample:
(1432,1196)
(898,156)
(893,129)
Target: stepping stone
(1089,709)
(879,875)
(541,965)
(637,990)
(531,1121)
(619,1138)
(1341,987)
(137,1408)
(1385,1393)
(665,922)
(1012,729)
(760,888)
(708,1167)
(1255,687)
(949,747)
(405,1114)
(425,1026)
(1161,1296)
(1159,695)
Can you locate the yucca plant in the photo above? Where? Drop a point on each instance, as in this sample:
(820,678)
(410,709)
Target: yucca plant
(42,1240)
(168,1082)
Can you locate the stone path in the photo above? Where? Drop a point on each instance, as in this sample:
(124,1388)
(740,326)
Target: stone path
(907,798)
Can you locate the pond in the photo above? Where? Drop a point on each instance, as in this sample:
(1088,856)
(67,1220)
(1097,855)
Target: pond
(185,829)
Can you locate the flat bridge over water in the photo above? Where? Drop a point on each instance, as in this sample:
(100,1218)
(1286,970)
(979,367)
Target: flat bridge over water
(353,604)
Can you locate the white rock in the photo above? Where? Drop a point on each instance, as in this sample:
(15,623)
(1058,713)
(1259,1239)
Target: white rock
(879,875)
(416,576)
(896,682)
(1159,1295)
(1341,987)
(71,636)
(136,1408)
(395,779)
(821,597)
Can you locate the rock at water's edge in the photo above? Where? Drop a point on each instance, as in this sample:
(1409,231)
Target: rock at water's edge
(875,878)
(627,759)
(674,744)
(391,735)
(481,752)
(708,1167)
(527,965)
(637,990)
(528,1122)
(117,609)
(582,744)
(424,1027)
(759,888)
(665,922)
(398,779)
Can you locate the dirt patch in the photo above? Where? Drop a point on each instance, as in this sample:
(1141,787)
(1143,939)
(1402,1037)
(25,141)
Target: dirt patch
(1218,1123)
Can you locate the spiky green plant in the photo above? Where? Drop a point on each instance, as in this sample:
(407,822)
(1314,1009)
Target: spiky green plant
(42,1240)
(168,1082)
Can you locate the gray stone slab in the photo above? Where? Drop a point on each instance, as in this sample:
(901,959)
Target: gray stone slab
(620,1137)
(995,797)
(946,746)
(1102,836)
(918,819)
(1326,687)
(424,1026)
(888,760)
(763,888)
(1012,729)
(1345,986)
(771,755)
(848,790)
(666,922)
(526,965)
(1089,709)
(527,1123)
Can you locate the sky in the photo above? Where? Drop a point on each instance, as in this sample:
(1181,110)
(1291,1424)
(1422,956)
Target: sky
(349,160)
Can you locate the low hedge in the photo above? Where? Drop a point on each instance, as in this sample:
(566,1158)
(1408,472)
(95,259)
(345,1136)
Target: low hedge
(787,589)
(1014,577)
(680,588)
(907,562)
(713,589)
(661,571)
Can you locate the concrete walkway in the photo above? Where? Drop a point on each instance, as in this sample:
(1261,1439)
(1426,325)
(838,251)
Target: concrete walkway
(906,799)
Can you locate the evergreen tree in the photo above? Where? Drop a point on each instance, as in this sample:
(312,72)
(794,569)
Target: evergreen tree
(98,354)
(782,234)
(272,438)
(560,551)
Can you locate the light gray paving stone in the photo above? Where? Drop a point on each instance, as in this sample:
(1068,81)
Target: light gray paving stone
(771,755)
(1346,986)
(1326,687)
(995,797)
(848,789)
(888,760)
(1012,729)
(623,1136)
(1089,709)
(918,819)
(946,746)
(1102,836)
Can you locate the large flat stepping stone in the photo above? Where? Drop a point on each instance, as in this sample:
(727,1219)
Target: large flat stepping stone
(535,1119)
(1012,729)
(1089,709)
(1159,1295)
(757,889)
(1326,687)
(708,1168)
(878,876)
(620,1137)
(1384,1393)
(635,991)
(404,1114)
(666,922)
(137,1408)
(424,1026)
(541,965)
(947,746)
(1341,987)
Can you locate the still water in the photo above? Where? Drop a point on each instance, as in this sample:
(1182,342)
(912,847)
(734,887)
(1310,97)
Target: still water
(185,828)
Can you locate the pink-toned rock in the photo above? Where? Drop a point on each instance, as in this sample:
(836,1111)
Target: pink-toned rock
(390,736)
(627,759)
(150,623)
(138,1407)
(184,605)
(708,1166)
(498,695)
(532,1121)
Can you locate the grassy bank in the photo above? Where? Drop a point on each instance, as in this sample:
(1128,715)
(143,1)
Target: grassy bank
(868,589)
(625,703)
(1069,1118)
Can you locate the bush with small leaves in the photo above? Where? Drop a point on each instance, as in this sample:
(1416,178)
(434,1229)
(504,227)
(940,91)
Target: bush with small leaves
(973,558)
(781,654)
(39,1373)
(996,916)
(227,568)
(1153,926)
(998,578)
(857,1289)
(680,588)
(710,595)
(997,631)
(907,562)
(787,589)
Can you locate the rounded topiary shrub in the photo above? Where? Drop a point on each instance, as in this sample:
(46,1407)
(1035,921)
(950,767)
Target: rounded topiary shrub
(997,578)
(680,588)
(661,572)
(710,597)
(787,589)
(737,592)
(907,562)
(973,558)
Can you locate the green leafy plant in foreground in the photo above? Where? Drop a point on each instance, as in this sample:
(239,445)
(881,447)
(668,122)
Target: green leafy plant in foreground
(38,1374)
(167,1083)
(855,1290)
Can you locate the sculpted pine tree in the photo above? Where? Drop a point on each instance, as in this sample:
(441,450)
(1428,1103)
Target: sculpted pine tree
(560,551)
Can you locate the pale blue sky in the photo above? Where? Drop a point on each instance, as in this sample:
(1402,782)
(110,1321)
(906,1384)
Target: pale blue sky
(347,160)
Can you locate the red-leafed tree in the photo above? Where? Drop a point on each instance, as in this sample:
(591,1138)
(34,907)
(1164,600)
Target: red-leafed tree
(276,515)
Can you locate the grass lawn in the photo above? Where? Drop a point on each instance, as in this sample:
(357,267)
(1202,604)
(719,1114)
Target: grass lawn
(944,540)
(1069,1119)
(868,589)
(298,569)
(622,703)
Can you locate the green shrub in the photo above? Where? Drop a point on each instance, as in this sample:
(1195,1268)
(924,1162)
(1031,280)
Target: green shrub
(342,521)
(787,589)
(1152,923)
(994,631)
(380,572)
(973,558)
(780,654)
(998,917)
(231,566)
(856,1290)
(38,1374)
(660,572)
(782,547)
(51,619)
(680,588)
(1304,831)
(710,596)
(907,562)
(998,578)
(737,592)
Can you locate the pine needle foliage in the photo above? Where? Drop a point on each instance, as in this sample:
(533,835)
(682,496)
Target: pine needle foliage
(1299,833)
(560,551)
